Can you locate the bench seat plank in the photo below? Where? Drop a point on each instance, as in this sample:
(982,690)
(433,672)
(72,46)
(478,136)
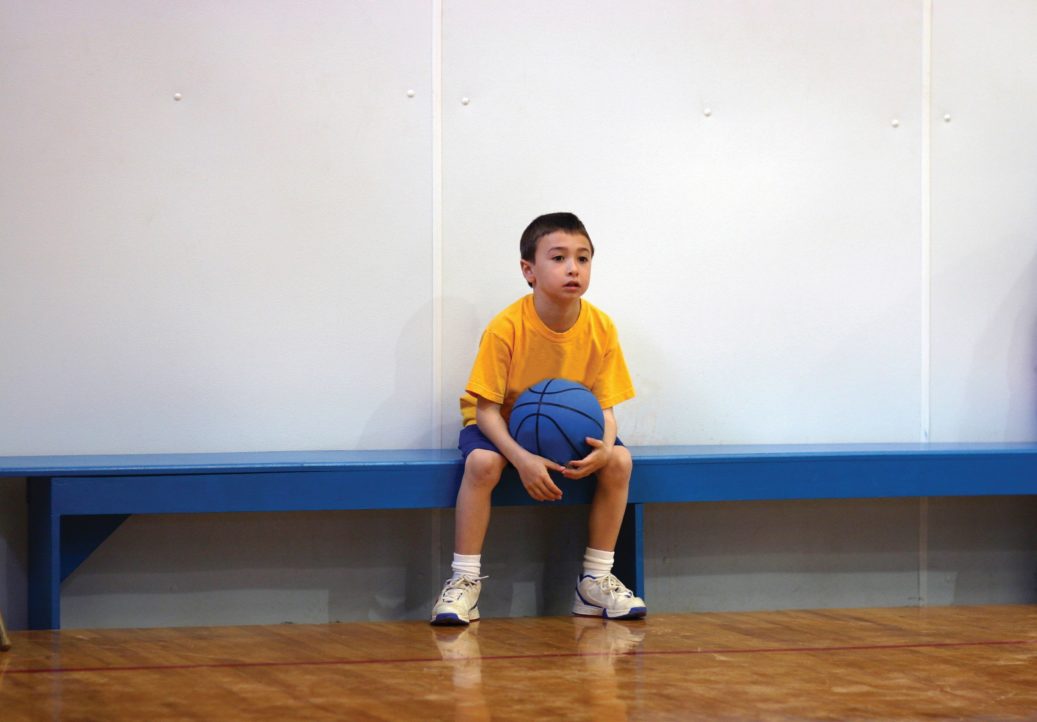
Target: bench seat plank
(229,462)
(687,474)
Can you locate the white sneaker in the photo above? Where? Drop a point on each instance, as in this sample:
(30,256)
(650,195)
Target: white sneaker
(459,601)
(606,597)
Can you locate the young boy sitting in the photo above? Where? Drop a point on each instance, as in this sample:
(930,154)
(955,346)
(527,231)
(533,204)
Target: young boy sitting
(550,333)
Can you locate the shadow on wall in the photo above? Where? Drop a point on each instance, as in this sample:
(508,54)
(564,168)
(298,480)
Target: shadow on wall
(404,409)
(1017,315)
(1028,289)
(415,368)
(1021,421)
(663,388)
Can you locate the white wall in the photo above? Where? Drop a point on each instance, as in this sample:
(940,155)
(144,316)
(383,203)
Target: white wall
(245,268)
(301,252)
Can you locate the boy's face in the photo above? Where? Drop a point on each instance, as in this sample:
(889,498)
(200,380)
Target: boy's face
(561,269)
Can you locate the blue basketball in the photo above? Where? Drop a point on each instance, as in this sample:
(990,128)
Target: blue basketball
(553,417)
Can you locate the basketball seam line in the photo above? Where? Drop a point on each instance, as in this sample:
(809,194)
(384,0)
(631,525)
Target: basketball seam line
(557,406)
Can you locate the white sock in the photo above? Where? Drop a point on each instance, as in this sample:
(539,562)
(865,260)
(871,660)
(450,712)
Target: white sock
(467,564)
(597,563)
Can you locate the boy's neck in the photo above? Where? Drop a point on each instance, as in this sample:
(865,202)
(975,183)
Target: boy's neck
(557,317)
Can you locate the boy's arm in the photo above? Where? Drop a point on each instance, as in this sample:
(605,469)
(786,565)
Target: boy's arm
(532,469)
(601,450)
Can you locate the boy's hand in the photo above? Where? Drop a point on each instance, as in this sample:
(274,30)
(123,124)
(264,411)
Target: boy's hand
(532,471)
(598,458)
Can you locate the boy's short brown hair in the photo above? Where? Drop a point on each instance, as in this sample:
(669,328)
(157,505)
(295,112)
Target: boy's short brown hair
(550,223)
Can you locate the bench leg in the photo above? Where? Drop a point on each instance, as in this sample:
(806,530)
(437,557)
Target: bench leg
(44,557)
(630,566)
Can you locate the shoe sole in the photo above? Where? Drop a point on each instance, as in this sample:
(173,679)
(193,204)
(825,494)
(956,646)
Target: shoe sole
(451,619)
(586,610)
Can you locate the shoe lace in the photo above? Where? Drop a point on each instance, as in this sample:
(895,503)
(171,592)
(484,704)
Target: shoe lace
(456,587)
(609,584)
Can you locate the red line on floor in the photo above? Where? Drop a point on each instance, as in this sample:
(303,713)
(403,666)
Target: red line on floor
(544,655)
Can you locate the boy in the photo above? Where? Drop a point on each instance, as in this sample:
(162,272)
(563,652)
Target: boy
(550,333)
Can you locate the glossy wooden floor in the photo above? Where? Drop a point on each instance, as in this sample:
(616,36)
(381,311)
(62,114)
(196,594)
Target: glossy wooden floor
(891,664)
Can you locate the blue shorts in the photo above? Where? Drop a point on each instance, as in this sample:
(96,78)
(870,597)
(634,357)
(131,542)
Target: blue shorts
(473,438)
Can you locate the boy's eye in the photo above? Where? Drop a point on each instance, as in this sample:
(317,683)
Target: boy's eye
(556,258)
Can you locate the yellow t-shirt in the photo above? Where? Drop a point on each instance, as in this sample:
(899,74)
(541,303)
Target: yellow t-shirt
(517,350)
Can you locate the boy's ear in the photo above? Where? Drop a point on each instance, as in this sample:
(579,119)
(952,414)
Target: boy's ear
(527,271)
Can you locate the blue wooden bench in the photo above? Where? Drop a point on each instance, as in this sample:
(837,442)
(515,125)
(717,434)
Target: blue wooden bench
(75,502)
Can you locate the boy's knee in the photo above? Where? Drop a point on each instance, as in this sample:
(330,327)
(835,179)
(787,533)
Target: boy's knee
(484,468)
(620,465)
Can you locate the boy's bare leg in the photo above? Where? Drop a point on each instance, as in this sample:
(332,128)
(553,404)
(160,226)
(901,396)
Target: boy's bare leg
(610,500)
(482,471)
(599,593)
(459,601)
